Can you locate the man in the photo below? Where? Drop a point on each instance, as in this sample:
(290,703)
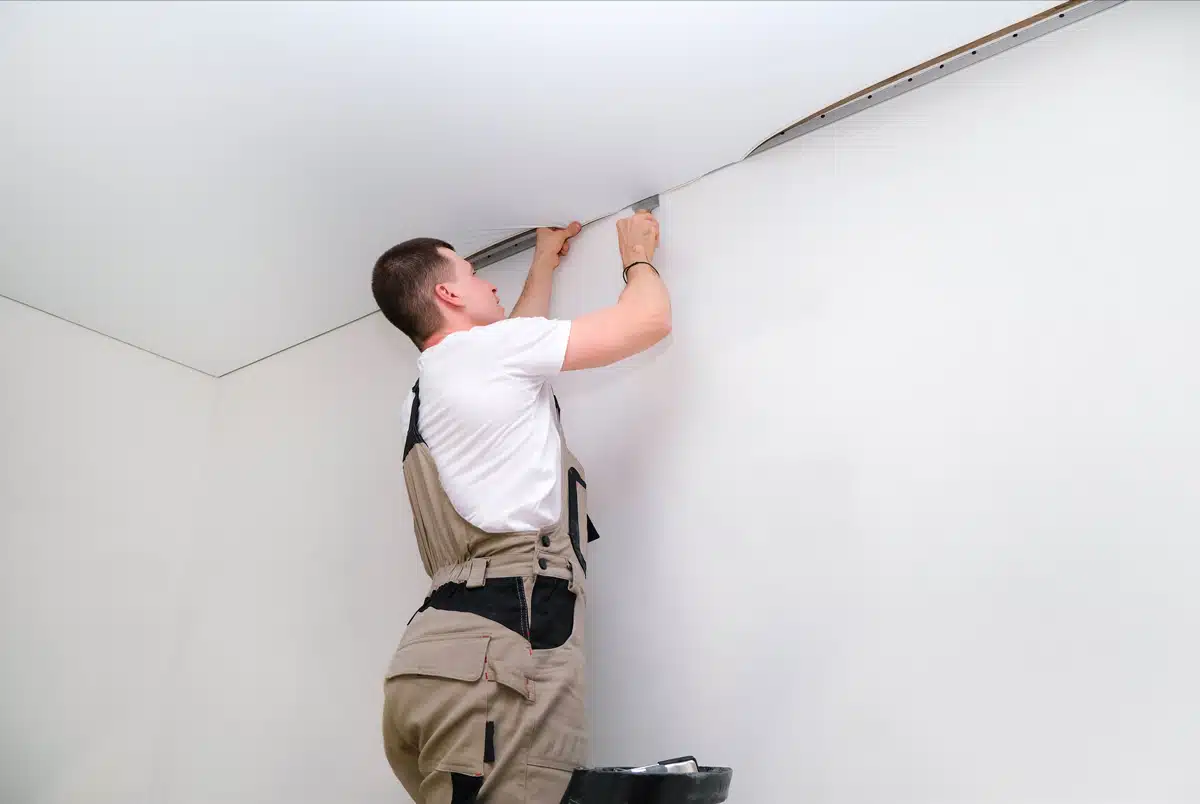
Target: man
(484,697)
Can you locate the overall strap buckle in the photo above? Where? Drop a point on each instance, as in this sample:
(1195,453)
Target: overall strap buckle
(478,573)
(576,577)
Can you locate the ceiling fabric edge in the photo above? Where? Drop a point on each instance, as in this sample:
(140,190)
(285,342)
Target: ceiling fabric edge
(1052,19)
(900,83)
(1044,22)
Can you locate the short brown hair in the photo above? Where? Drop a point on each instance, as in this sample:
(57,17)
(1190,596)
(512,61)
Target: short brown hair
(403,283)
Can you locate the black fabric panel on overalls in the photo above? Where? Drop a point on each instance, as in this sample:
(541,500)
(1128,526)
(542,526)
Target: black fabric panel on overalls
(592,533)
(464,789)
(551,613)
(489,742)
(575,479)
(500,600)
(414,433)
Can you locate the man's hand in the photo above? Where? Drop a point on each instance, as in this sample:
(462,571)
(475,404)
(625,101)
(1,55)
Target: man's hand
(552,245)
(642,315)
(637,236)
(554,242)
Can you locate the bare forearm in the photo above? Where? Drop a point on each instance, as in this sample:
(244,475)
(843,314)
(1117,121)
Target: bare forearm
(646,292)
(640,319)
(642,315)
(534,300)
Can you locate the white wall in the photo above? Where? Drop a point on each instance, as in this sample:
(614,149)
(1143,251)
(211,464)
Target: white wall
(909,504)
(907,509)
(103,474)
(304,585)
(903,511)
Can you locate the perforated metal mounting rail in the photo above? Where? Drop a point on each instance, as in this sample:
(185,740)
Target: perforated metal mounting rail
(527,239)
(1005,39)
(972,53)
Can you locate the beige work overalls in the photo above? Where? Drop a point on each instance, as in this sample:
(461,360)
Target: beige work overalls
(485,695)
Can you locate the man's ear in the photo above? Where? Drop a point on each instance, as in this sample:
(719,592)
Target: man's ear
(444,293)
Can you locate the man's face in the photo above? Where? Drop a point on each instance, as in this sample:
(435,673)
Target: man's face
(475,296)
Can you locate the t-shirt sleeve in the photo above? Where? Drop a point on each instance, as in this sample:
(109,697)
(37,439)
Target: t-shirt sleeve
(532,346)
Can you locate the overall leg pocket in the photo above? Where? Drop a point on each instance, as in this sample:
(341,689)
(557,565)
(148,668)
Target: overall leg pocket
(558,739)
(511,702)
(438,702)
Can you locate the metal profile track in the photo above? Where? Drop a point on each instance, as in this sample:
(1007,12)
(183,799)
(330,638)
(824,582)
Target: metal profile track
(528,239)
(930,71)
(1005,39)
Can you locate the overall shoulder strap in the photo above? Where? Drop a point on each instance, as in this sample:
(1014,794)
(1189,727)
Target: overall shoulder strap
(592,533)
(414,432)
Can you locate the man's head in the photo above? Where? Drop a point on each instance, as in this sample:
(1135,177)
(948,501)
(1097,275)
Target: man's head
(425,289)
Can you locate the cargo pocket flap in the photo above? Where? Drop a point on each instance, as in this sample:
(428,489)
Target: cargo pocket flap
(457,658)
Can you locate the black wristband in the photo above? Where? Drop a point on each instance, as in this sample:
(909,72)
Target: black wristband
(625,273)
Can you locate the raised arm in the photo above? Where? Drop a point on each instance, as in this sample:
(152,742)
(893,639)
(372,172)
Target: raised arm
(642,315)
(552,246)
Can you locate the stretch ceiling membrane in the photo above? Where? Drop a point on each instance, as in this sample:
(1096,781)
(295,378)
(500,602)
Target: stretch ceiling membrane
(213,181)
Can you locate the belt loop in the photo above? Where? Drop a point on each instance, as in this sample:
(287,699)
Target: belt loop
(478,573)
(514,679)
(572,587)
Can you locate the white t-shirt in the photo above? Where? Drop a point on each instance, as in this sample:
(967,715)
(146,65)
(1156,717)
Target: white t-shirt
(487,416)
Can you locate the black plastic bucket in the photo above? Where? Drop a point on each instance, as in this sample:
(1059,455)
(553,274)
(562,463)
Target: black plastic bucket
(707,785)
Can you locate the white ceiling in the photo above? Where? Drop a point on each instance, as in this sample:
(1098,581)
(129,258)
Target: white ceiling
(213,181)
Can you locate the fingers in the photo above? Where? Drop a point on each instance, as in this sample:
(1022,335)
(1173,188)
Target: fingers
(558,234)
(556,238)
(571,230)
(639,215)
(644,216)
